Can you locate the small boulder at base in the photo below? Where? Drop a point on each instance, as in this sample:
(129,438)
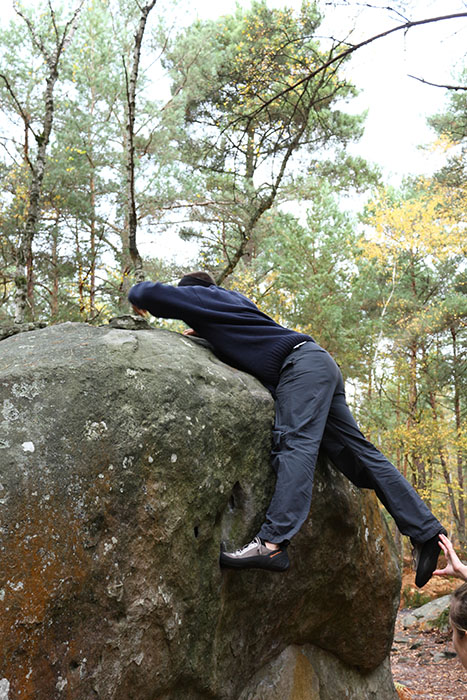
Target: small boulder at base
(429,615)
(126,457)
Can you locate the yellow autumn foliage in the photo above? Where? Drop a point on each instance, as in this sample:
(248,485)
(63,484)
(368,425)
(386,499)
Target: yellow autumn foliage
(429,224)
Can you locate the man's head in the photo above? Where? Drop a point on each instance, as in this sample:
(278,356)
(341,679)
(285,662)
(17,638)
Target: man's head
(205,279)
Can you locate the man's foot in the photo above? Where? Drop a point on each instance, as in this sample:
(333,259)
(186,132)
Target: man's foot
(255,555)
(426,558)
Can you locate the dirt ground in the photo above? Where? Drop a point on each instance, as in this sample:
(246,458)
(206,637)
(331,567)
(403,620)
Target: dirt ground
(424,663)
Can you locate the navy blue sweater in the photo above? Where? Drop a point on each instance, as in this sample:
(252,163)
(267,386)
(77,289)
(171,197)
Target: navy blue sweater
(239,332)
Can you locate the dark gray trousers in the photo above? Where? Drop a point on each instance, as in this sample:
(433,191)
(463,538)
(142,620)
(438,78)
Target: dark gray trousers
(311,412)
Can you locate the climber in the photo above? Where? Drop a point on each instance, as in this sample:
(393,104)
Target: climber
(311,412)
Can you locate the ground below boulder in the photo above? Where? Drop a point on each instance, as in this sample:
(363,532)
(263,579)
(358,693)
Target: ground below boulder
(126,456)
(425,665)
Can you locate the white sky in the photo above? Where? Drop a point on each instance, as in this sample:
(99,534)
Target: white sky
(397,104)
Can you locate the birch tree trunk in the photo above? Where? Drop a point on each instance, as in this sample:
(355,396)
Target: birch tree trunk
(24,273)
(131,254)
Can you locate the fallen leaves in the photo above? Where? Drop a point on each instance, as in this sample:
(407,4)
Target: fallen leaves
(423,666)
(403,692)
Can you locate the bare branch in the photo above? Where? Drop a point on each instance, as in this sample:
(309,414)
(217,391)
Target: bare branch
(369,6)
(60,43)
(24,116)
(52,15)
(69,30)
(37,41)
(344,54)
(444,87)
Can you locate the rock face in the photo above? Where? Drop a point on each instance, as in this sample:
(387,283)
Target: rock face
(125,457)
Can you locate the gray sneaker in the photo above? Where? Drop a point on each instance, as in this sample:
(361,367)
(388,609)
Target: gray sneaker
(255,555)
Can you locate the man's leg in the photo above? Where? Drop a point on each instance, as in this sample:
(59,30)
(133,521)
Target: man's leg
(366,467)
(303,398)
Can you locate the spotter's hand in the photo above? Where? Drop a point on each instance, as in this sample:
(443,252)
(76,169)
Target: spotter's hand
(454,566)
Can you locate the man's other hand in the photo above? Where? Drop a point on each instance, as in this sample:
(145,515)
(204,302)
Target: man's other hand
(139,312)
(190,331)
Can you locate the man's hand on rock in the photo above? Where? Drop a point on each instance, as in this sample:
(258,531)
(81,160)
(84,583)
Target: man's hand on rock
(190,331)
(139,312)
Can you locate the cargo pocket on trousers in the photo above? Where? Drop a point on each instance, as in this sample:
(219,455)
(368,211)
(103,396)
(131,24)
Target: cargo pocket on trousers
(275,449)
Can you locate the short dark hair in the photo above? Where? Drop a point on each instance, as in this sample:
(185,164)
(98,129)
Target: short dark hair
(205,278)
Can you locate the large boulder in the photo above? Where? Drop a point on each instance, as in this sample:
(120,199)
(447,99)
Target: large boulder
(126,456)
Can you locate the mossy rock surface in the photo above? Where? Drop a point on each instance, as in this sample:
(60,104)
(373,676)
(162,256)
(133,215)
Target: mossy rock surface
(126,456)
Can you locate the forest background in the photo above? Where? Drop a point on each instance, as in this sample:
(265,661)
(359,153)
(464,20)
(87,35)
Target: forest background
(121,120)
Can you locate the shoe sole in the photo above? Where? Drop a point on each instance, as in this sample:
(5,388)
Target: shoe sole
(254,563)
(427,561)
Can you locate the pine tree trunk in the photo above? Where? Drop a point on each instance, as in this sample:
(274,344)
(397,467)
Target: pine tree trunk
(55,273)
(459,451)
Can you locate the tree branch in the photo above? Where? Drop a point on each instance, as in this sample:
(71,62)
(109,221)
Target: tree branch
(445,87)
(24,278)
(343,54)
(24,116)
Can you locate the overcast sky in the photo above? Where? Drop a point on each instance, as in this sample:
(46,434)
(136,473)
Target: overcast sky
(397,104)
